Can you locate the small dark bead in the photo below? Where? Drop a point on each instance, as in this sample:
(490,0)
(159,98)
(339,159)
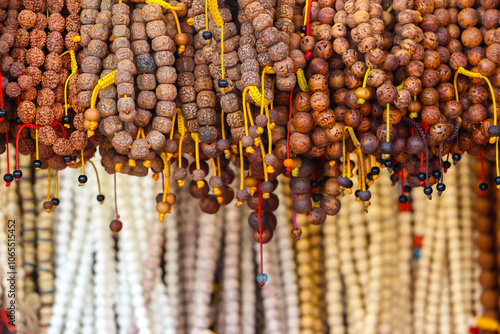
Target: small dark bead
(446,164)
(19,122)
(356,193)
(8,178)
(314,184)
(3,113)
(436,174)
(369,176)
(159,198)
(317,197)
(66,120)
(421,176)
(388,163)
(427,190)
(37,164)
(497,180)
(456,157)
(55,201)
(440,187)
(67,158)
(322,183)
(303,29)
(100,198)
(397,168)
(207,35)
(403,199)
(17,174)
(349,184)
(82,179)
(483,186)
(375,171)
(407,189)
(223,83)
(394,178)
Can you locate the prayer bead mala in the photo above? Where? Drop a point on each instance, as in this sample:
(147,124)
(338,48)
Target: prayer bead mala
(28,225)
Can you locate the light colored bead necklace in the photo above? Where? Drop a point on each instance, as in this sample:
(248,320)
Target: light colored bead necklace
(247,269)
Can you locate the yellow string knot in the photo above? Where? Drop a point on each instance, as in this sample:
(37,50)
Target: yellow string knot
(238,204)
(413,115)
(181,49)
(156,176)
(118,167)
(266,195)
(253,190)
(295,172)
(147,163)
(200,184)
(190,21)
(256,141)
(76,39)
(90,133)
(227,154)
(181,183)
(332,163)
(220,199)
(249,150)
(131,162)
(361,101)
(217,192)
(161,216)
(270,169)
(259,130)
(301,78)
(93,125)
(271,126)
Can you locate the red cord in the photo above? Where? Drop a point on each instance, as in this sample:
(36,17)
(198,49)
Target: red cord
(308,21)
(56,123)
(260,239)
(289,125)
(422,166)
(482,170)
(402,176)
(8,161)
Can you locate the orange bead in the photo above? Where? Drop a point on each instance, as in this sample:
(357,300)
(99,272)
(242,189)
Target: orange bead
(92,115)
(163,207)
(297,232)
(181,39)
(288,163)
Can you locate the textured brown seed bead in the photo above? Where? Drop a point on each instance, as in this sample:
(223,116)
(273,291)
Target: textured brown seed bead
(146,100)
(162,124)
(203,83)
(207,116)
(166,92)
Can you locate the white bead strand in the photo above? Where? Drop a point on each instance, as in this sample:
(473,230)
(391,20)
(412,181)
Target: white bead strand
(247,268)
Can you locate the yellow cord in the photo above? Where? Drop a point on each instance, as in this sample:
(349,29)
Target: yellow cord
(194,135)
(344,164)
(57,185)
(470,74)
(242,172)
(104,82)
(389,9)
(206,14)
(301,78)
(97,176)
(269,134)
(305,15)
(48,186)
(388,123)
(166,162)
(36,145)
(365,79)
(173,124)
(171,8)
(244,109)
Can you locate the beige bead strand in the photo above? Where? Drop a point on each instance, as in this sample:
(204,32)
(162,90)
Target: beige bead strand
(44,252)
(247,269)
(286,256)
(373,294)
(231,300)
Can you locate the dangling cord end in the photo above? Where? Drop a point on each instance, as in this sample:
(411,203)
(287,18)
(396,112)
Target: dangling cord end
(55,200)
(82,179)
(261,278)
(297,231)
(8,178)
(100,196)
(116,225)
(48,205)
(289,162)
(483,186)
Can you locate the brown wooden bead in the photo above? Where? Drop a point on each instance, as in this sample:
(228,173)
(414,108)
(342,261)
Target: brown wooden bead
(303,122)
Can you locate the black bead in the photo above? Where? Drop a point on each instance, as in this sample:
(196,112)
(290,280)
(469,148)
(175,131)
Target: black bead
(55,201)
(322,183)
(3,113)
(349,184)
(303,29)
(67,158)
(369,176)
(100,198)
(317,197)
(207,35)
(483,186)
(440,187)
(66,120)
(223,83)
(17,174)
(388,163)
(497,180)
(19,122)
(159,197)
(397,168)
(314,184)
(356,193)
(375,171)
(407,189)
(82,178)
(403,199)
(456,157)
(446,164)
(421,176)
(436,174)
(394,178)
(8,177)
(427,190)
(37,164)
